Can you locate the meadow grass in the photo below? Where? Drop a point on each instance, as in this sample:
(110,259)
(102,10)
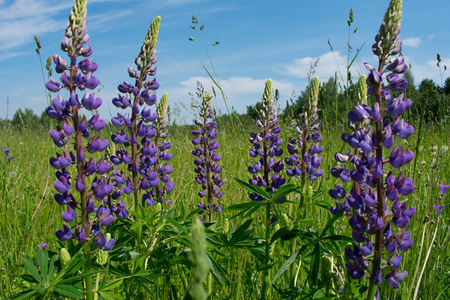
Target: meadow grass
(29,215)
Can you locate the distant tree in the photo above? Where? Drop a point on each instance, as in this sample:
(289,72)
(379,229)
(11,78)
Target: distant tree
(327,100)
(429,100)
(45,121)
(25,119)
(253,111)
(447,86)
(411,90)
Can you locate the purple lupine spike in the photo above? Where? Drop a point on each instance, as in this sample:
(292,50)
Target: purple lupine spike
(207,157)
(265,144)
(147,129)
(78,76)
(302,162)
(378,224)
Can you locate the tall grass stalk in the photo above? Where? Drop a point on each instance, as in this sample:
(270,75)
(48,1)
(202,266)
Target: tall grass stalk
(416,292)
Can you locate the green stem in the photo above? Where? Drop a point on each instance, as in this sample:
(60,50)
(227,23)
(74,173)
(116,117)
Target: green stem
(376,263)
(87,269)
(97,281)
(266,275)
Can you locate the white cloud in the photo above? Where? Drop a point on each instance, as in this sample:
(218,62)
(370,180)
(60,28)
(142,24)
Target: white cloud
(24,18)
(430,70)
(411,42)
(240,92)
(329,63)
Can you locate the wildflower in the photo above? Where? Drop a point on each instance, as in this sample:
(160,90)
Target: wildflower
(266,145)
(148,158)
(43,245)
(366,202)
(207,157)
(443,187)
(438,208)
(77,76)
(6,151)
(308,164)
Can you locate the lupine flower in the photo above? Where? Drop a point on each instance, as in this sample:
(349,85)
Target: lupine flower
(6,151)
(207,157)
(149,157)
(365,203)
(438,209)
(78,75)
(308,164)
(266,145)
(443,187)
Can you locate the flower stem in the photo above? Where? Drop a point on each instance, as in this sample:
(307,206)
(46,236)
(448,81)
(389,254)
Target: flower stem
(266,275)
(376,263)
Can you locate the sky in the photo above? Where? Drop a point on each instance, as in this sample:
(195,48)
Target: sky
(257,40)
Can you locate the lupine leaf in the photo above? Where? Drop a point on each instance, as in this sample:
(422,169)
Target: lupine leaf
(285,266)
(31,268)
(42,257)
(283,191)
(253,188)
(217,269)
(245,206)
(69,291)
(113,284)
(28,278)
(78,277)
(315,263)
(340,238)
(248,207)
(177,225)
(331,222)
(288,262)
(323,204)
(52,269)
(23,295)
(110,296)
(241,233)
(285,234)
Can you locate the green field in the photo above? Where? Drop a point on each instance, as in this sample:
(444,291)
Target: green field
(29,214)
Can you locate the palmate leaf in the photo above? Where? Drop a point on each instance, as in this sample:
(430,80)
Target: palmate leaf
(254,189)
(283,191)
(315,264)
(339,238)
(31,268)
(69,291)
(218,271)
(110,296)
(28,294)
(177,225)
(331,222)
(285,234)
(247,208)
(241,233)
(42,258)
(290,260)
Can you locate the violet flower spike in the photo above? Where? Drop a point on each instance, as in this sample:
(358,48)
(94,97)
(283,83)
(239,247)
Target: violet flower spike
(266,171)
(207,157)
(304,161)
(74,167)
(375,195)
(148,179)
(443,187)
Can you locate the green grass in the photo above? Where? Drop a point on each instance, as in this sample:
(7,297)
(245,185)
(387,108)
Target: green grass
(29,215)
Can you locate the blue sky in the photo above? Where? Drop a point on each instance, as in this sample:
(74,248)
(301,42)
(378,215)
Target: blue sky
(258,40)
